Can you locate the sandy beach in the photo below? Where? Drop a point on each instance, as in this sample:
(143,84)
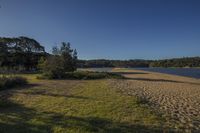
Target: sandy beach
(176,98)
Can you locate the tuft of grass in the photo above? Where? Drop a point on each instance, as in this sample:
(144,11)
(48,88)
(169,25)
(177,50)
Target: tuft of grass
(85,75)
(7,82)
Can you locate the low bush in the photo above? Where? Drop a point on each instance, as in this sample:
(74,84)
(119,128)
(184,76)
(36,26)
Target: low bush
(7,82)
(87,75)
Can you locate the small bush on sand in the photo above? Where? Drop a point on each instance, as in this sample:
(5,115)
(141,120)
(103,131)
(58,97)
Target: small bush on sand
(7,82)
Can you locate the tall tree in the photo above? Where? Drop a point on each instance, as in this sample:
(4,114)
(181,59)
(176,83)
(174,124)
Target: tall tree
(63,60)
(75,59)
(66,55)
(21,51)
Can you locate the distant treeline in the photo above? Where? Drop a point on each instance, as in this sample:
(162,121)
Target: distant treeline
(177,62)
(24,54)
(113,63)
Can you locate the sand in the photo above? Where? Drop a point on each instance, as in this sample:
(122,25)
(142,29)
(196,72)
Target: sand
(176,98)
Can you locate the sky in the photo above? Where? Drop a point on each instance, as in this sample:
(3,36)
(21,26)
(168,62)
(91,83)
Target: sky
(108,29)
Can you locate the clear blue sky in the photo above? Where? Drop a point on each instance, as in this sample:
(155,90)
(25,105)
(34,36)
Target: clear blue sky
(111,29)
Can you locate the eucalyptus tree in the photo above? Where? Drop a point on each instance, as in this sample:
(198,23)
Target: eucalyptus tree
(21,51)
(62,60)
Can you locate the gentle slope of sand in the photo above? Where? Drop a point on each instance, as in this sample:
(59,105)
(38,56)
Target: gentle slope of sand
(176,97)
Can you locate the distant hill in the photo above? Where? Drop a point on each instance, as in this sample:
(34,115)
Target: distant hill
(177,62)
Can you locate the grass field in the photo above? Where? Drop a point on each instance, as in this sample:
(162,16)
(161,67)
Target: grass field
(74,106)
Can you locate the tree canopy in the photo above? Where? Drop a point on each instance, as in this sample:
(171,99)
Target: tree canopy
(22,44)
(20,53)
(62,60)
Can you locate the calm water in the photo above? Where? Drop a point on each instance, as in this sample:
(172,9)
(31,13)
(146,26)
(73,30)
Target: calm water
(187,72)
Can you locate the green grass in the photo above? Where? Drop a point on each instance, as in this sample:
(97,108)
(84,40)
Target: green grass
(75,107)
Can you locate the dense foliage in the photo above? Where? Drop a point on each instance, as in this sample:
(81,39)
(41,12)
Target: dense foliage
(20,53)
(7,82)
(61,61)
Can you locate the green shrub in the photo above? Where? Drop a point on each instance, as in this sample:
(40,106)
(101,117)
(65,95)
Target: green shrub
(90,75)
(53,68)
(7,82)
(84,75)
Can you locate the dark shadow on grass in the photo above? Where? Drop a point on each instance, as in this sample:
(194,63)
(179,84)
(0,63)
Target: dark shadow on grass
(5,94)
(20,87)
(160,80)
(45,93)
(18,119)
(27,86)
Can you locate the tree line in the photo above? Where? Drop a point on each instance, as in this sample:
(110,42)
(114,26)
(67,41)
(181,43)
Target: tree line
(26,54)
(177,62)
(113,63)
